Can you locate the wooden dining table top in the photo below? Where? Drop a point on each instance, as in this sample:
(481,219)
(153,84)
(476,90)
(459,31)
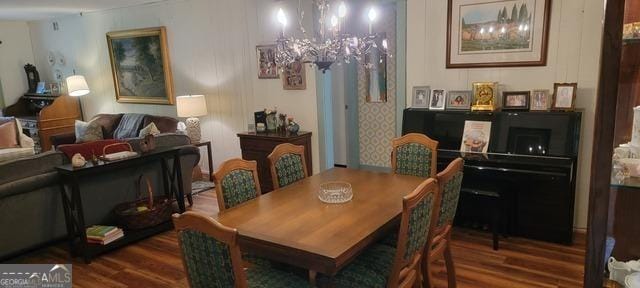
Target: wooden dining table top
(293,226)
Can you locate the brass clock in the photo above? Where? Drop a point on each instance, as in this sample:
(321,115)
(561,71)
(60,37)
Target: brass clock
(484,94)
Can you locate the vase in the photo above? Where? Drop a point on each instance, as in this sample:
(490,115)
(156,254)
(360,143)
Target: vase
(293,127)
(272,122)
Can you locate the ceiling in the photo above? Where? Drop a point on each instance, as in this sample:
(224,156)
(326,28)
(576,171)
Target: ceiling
(43,9)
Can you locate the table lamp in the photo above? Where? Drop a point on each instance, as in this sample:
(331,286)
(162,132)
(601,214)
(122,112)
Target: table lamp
(192,106)
(77,86)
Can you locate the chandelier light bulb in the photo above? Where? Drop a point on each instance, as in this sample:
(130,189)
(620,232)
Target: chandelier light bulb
(282,18)
(342,10)
(334,21)
(373,14)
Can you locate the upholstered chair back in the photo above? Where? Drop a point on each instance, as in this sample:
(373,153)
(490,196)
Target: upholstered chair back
(415,225)
(236,182)
(450,181)
(210,253)
(414,154)
(288,165)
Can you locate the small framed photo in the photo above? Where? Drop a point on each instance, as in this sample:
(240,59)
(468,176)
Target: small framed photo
(420,97)
(267,68)
(438,99)
(484,96)
(293,76)
(459,100)
(564,96)
(516,100)
(539,100)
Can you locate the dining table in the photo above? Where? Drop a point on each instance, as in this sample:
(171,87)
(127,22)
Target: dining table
(293,226)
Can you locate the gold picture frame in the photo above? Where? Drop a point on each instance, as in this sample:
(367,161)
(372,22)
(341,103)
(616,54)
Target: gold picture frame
(140,66)
(484,96)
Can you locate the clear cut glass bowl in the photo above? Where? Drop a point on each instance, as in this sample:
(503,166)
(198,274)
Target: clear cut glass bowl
(335,192)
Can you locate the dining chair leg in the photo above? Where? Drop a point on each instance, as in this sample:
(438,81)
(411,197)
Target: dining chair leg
(312,278)
(426,274)
(451,270)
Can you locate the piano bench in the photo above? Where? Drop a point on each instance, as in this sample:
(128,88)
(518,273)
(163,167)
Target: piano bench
(495,203)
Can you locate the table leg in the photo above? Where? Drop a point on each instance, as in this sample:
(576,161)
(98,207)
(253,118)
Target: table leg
(312,278)
(76,200)
(68,218)
(210,158)
(178,169)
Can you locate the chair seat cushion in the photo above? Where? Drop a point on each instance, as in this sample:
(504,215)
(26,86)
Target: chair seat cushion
(370,269)
(266,277)
(15,153)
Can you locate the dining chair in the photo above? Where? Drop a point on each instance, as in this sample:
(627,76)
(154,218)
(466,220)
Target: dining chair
(414,154)
(450,182)
(211,257)
(388,266)
(236,181)
(287,164)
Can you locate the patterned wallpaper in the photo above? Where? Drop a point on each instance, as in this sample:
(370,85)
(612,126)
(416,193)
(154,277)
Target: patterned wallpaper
(377,120)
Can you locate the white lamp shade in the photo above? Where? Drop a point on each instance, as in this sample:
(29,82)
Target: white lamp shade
(77,85)
(191,105)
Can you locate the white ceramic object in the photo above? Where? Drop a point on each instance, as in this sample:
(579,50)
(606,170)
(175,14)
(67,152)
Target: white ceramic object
(635,133)
(619,271)
(631,165)
(633,280)
(78,161)
(335,192)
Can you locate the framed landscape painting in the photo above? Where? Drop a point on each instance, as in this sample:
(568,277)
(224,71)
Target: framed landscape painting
(140,66)
(495,33)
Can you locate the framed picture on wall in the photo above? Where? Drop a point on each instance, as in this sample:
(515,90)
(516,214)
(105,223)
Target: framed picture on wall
(293,76)
(516,100)
(420,97)
(438,99)
(140,66)
(459,100)
(267,68)
(564,96)
(497,33)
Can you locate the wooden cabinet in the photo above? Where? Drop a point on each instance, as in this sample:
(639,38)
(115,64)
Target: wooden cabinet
(257,146)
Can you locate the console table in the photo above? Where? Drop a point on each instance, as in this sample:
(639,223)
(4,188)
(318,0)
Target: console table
(257,146)
(72,198)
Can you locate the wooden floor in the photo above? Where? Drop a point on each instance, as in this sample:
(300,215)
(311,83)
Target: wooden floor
(155,262)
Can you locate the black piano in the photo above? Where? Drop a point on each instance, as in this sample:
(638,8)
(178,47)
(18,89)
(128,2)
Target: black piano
(531,162)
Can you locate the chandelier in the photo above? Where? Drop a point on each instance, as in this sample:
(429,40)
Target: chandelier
(332,45)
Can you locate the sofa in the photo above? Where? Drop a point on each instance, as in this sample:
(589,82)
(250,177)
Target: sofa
(26,144)
(110,123)
(30,194)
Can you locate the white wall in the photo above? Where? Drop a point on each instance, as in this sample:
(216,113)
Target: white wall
(15,52)
(212,51)
(574,53)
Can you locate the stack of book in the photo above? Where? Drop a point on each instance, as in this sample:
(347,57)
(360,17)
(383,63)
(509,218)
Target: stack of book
(103,235)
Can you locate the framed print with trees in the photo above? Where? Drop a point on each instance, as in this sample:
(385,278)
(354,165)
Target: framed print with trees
(503,33)
(140,66)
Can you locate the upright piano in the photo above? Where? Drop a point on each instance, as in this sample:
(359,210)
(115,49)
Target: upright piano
(531,162)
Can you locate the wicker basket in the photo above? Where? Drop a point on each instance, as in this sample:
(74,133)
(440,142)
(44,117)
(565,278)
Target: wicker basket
(156,209)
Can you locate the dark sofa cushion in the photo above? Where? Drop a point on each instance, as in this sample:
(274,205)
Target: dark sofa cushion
(108,122)
(164,124)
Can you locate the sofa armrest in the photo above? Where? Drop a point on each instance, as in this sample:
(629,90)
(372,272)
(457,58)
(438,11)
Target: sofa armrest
(60,139)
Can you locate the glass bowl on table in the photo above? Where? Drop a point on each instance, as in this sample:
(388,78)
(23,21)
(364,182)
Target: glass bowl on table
(335,192)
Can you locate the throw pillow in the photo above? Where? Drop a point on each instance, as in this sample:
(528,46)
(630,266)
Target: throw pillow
(8,135)
(88,131)
(150,129)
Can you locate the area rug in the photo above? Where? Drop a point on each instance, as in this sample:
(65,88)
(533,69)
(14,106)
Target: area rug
(201,186)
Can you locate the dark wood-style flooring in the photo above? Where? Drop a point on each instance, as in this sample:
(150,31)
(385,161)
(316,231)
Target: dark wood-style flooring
(155,262)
